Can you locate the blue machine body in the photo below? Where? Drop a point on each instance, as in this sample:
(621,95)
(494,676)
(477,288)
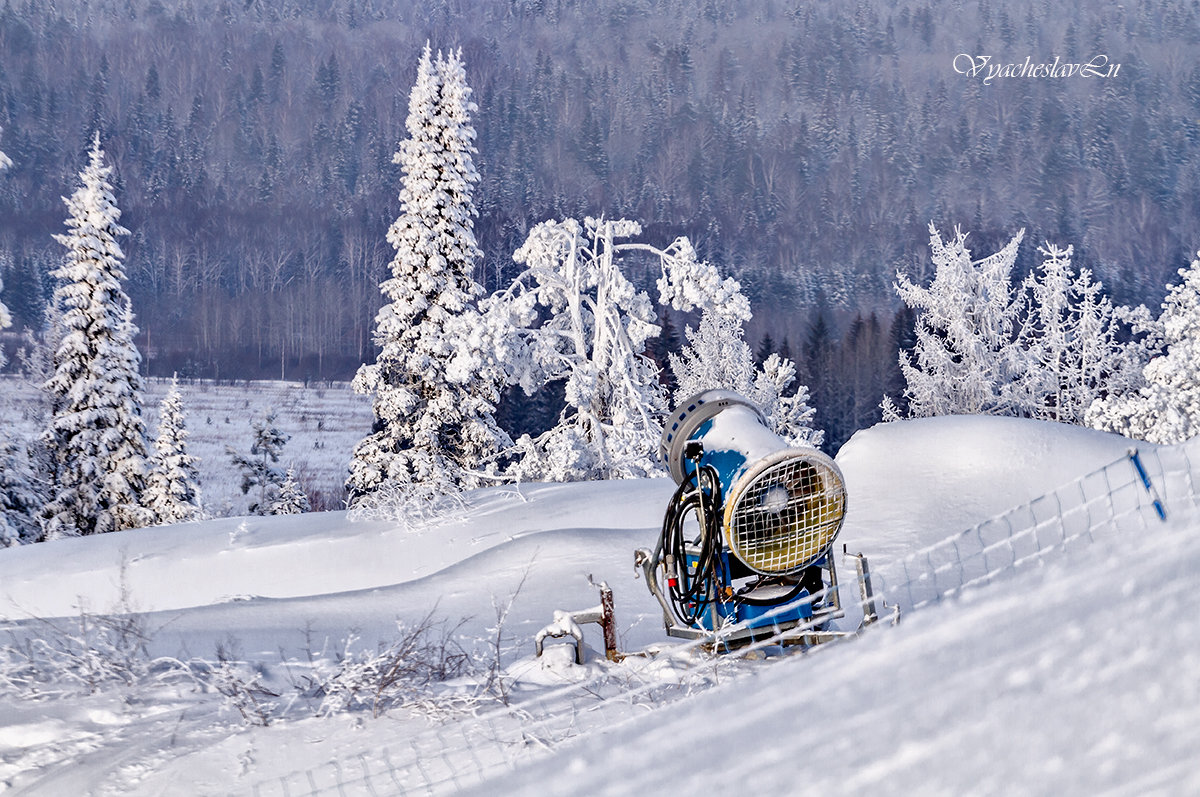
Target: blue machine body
(734,434)
(754,615)
(730,463)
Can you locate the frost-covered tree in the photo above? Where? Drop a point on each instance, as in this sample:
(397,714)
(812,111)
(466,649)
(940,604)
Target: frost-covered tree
(434,423)
(965,323)
(96,440)
(21,497)
(173,487)
(1167,409)
(1073,345)
(291,500)
(35,359)
(260,469)
(573,317)
(717,356)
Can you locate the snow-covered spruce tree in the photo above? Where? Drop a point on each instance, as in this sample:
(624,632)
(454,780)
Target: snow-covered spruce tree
(96,439)
(260,469)
(1074,346)
(434,424)
(291,500)
(173,487)
(1167,409)
(717,356)
(965,323)
(573,317)
(21,498)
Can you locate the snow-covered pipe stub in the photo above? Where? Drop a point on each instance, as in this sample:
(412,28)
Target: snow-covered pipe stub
(783,505)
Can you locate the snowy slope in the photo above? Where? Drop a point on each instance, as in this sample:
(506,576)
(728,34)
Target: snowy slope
(1076,676)
(1075,680)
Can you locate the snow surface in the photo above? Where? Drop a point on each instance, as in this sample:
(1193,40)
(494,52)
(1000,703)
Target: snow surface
(1076,676)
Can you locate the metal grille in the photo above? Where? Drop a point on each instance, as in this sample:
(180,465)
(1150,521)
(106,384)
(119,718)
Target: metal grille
(787,515)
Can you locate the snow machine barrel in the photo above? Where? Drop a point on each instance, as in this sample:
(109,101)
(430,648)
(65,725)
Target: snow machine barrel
(747,536)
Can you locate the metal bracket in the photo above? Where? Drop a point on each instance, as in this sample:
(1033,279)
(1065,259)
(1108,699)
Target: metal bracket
(866,590)
(567,624)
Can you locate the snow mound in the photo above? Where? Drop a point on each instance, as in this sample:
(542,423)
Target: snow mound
(198,564)
(913,483)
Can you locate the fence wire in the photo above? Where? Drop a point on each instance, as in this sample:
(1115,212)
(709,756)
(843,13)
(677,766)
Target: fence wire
(1134,494)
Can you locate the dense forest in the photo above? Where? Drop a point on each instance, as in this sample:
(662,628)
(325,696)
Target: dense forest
(804,148)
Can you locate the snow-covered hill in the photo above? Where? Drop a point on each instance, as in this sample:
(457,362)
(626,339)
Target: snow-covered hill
(1071,674)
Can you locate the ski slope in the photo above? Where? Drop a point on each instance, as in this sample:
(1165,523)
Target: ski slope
(1071,675)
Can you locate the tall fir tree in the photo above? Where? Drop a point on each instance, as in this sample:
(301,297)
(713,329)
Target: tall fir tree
(434,411)
(1167,409)
(96,439)
(173,487)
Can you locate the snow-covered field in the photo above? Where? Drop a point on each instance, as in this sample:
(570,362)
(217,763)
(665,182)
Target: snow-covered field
(324,421)
(1073,672)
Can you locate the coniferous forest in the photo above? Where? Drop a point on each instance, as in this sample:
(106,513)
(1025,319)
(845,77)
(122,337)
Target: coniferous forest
(804,148)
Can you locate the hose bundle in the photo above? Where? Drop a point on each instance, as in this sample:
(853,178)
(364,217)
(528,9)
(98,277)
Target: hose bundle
(691,586)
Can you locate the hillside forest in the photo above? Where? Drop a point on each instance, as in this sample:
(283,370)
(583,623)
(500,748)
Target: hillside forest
(804,148)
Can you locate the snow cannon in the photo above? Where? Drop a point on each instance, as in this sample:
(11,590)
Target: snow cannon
(745,551)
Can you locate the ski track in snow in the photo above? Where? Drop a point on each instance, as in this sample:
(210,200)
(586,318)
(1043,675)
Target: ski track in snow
(1075,676)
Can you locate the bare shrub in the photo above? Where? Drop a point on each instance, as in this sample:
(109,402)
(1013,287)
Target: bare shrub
(84,655)
(405,672)
(241,685)
(410,506)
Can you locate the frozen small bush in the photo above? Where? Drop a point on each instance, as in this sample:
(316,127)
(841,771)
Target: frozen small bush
(411,506)
(404,672)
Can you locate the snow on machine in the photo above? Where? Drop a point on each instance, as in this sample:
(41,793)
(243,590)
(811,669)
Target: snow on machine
(745,551)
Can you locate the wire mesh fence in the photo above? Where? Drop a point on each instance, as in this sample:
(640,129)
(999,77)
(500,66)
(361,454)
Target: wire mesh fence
(1130,495)
(466,752)
(1134,494)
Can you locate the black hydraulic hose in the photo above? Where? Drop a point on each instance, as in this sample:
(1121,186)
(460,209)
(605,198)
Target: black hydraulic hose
(690,589)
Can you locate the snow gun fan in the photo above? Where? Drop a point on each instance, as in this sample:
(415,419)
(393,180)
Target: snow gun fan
(745,549)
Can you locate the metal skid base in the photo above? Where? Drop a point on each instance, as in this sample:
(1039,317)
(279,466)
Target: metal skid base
(807,631)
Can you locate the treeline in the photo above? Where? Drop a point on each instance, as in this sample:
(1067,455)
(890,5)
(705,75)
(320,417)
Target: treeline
(803,147)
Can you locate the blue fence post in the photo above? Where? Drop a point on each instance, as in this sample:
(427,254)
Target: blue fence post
(1136,459)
